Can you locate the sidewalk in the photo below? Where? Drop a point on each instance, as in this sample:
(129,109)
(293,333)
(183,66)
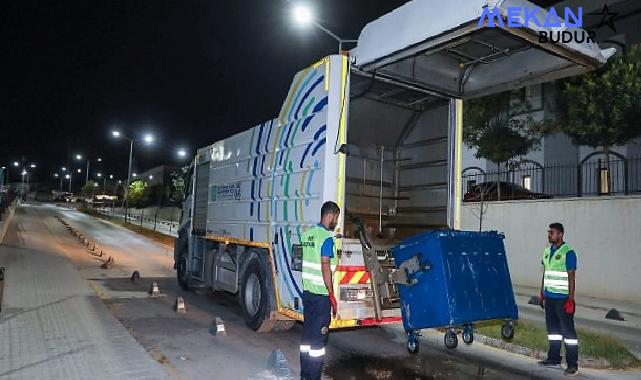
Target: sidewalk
(590,314)
(52,324)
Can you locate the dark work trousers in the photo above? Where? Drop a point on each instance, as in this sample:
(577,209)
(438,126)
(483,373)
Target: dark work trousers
(317,311)
(561,328)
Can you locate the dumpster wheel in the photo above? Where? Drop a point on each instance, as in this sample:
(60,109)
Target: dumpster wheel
(468,335)
(412,343)
(450,339)
(507,331)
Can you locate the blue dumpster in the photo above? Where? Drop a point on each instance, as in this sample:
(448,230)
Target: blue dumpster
(453,279)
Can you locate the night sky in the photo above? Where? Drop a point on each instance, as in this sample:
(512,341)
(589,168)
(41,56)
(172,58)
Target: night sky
(190,72)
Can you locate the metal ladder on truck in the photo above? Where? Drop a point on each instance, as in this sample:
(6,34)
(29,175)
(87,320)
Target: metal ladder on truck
(384,276)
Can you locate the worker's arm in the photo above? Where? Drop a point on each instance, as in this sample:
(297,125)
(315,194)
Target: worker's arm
(572,282)
(570,263)
(327,273)
(542,293)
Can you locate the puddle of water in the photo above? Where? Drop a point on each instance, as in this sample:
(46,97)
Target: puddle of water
(411,367)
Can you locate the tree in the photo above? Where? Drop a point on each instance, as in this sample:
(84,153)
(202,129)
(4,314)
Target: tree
(153,195)
(177,189)
(89,189)
(136,194)
(603,108)
(500,127)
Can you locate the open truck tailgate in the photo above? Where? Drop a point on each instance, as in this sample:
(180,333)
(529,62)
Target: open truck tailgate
(441,46)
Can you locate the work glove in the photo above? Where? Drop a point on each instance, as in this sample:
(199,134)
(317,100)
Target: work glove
(542,299)
(333,304)
(569,306)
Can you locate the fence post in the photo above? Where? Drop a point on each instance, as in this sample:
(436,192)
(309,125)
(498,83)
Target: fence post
(155,218)
(625,176)
(579,180)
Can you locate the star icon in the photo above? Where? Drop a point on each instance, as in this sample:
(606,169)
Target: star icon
(607,18)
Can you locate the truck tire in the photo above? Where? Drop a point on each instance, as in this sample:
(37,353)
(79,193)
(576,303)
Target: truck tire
(254,296)
(181,272)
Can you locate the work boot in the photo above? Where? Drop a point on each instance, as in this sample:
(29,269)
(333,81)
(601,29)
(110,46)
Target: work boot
(571,371)
(550,363)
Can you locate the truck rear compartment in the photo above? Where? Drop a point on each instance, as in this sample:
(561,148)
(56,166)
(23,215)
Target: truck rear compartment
(397,173)
(397,163)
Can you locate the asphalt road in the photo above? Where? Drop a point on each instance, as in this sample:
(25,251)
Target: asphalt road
(183,345)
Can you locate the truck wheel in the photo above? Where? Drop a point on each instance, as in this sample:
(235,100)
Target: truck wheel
(181,272)
(254,297)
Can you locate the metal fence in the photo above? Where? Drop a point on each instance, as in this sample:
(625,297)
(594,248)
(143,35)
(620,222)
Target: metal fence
(587,178)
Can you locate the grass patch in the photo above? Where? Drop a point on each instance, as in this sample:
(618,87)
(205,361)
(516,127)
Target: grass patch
(156,236)
(592,345)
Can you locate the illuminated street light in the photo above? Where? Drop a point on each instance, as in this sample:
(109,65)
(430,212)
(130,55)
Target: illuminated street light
(78,156)
(99,159)
(33,166)
(67,176)
(16,163)
(99,175)
(79,170)
(147,138)
(134,175)
(181,153)
(56,175)
(24,173)
(111,176)
(95,184)
(64,169)
(151,176)
(303,15)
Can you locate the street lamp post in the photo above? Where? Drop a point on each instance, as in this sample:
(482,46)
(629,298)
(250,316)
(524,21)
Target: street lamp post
(148,138)
(79,157)
(303,15)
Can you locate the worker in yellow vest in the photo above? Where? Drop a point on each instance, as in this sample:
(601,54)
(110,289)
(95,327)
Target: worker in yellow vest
(557,298)
(319,261)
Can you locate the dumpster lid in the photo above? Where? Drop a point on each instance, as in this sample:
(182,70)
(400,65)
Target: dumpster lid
(439,234)
(439,45)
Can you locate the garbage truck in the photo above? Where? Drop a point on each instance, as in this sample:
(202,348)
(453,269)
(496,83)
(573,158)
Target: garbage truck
(378,130)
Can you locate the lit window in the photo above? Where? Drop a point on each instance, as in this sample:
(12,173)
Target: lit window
(604,181)
(527,182)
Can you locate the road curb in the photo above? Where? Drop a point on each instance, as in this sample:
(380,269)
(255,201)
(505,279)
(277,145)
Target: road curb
(514,348)
(7,221)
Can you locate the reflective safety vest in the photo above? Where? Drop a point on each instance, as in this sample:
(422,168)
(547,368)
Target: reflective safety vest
(312,241)
(555,278)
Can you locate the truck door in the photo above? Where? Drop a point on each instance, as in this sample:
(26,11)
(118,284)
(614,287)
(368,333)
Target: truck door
(459,48)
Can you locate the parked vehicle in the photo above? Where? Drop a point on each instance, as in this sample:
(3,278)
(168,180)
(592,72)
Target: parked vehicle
(58,196)
(489,191)
(378,131)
